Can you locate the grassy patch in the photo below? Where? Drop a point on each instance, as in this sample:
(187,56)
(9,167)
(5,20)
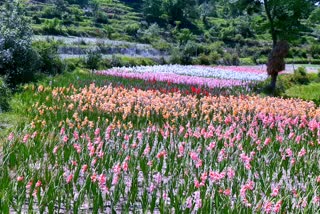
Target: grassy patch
(306,92)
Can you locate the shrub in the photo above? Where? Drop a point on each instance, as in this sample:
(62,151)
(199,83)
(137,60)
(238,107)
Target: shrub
(4,96)
(101,18)
(315,50)
(203,59)
(214,57)
(51,12)
(93,59)
(49,60)
(246,61)
(73,63)
(132,29)
(300,76)
(53,26)
(231,59)
(176,56)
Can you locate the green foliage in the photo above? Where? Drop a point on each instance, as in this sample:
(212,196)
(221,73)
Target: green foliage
(231,59)
(53,26)
(93,59)
(4,96)
(300,76)
(315,50)
(49,60)
(101,18)
(50,12)
(73,63)
(132,29)
(307,92)
(246,61)
(18,60)
(124,61)
(314,17)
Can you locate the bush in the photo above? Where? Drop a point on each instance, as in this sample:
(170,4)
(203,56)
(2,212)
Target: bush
(73,63)
(202,60)
(93,60)
(176,56)
(132,29)
(4,96)
(53,26)
(231,59)
(49,60)
(101,18)
(300,76)
(246,61)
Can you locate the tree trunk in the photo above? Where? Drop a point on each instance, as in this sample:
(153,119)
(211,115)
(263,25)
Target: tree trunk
(273,82)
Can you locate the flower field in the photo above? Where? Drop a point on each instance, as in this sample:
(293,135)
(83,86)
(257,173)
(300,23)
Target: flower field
(106,148)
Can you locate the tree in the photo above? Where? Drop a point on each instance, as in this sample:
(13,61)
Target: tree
(284,24)
(17,57)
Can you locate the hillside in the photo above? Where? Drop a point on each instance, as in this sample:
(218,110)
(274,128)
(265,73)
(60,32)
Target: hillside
(206,33)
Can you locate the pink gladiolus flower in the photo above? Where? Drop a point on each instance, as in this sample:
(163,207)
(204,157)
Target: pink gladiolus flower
(318,179)
(227,192)
(125,166)
(211,146)
(65,138)
(55,149)
(162,154)
(277,207)
(20,178)
(289,152)
(140,136)
(126,137)
(267,141)
(62,131)
(152,187)
(189,203)
(146,150)
(26,138)
(275,192)
(97,132)
(316,200)
(38,184)
(35,192)
(117,169)
(181,150)
(34,135)
(115,179)
(69,178)
(230,173)
(268,207)
(196,183)
(199,163)
(94,177)
(158,178)
(28,186)
(104,189)
(84,168)
(102,179)
(11,136)
(76,135)
(194,156)
(302,152)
